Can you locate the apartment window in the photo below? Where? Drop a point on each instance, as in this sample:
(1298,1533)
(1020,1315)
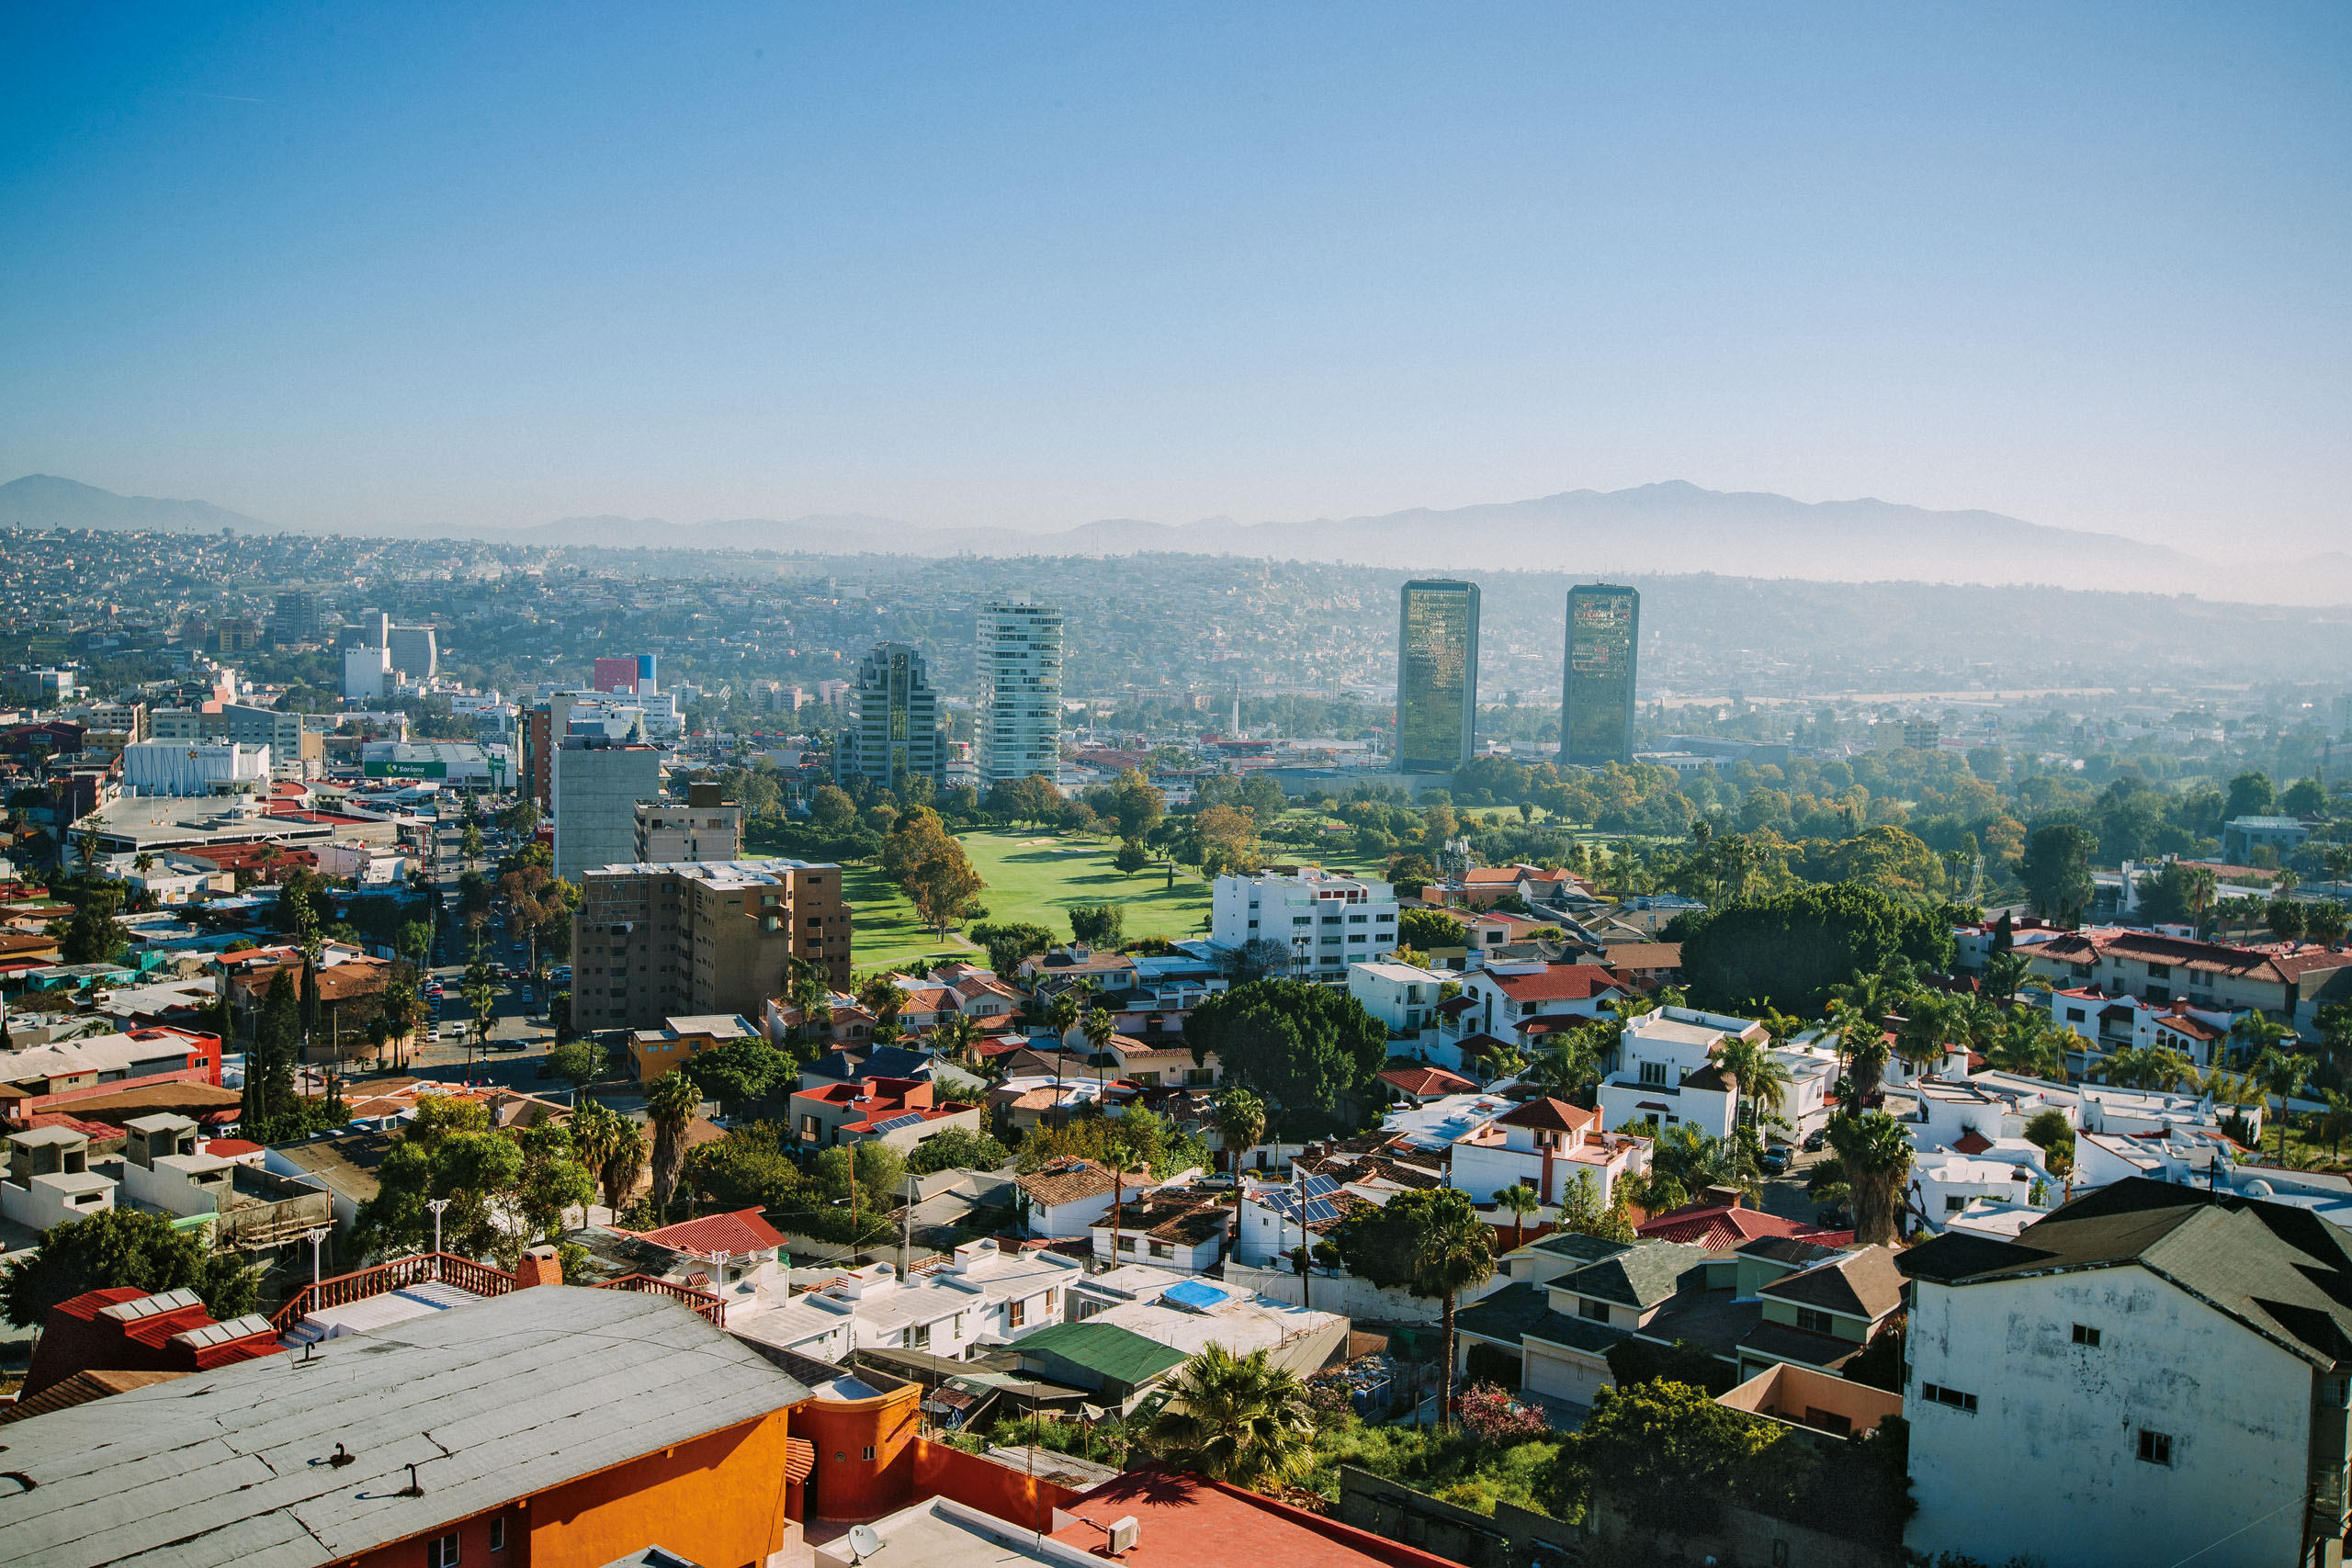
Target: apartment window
(1954,1202)
(1951,1397)
(919,1337)
(1812,1320)
(498,1534)
(869,1454)
(2074,1015)
(1302,920)
(1597,1311)
(1653,1073)
(1383,919)
(442,1550)
(2085,1335)
(1015,1314)
(2155,1448)
(2159,971)
(1359,919)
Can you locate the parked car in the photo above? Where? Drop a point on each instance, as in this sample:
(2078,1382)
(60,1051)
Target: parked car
(510,1044)
(1813,1144)
(1776,1161)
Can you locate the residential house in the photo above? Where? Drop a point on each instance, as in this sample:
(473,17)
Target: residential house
(900,1113)
(2106,1024)
(1546,1145)
(2287,982)
(1404,997)
(654,1052)
(980,1296)
(2162,1368)
(1178,1229)
(1069,1196)
(1665,1073)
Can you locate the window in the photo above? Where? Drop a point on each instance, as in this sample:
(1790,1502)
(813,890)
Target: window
(2155,1448)
(1015,1314)
(1954,1202)
(1597,1311)
(1653,1073)
(919,1337)
(869,1453)
(442,1551)
(2074,1015)
(1951,1397)
(2159,971)
(1812,1320)
(498,1534)
(2085,1335)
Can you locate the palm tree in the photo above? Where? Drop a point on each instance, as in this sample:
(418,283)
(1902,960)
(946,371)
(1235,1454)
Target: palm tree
(1239,1419)
(2259,1033)
(1452,1250)
(1519,1199)
(1240,1123)
(2334,1122)
(671,1102)
(612,1146)
(2149,1066)
(1863,1041)
(1930,1020)
(953,1038)
(1100,1028)
(2199,885)
(1568,1064)
(2027,1042)
(1685,1160)
(2004,972)
(1875,1152)
(1870,996)
(2281,1072)
(1763,1078)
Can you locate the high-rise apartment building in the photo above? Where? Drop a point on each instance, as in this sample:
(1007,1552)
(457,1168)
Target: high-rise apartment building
(706,826)
(893,729)
(1321,921)
(297,617)
(1604,641)
(715,937)
(1020,718)
(596,783)
(415,652)
(1437,676)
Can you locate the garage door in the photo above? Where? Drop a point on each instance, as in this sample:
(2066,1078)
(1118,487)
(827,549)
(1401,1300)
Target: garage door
(1573,1375)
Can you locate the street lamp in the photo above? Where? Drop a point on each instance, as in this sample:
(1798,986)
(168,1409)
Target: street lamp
(316,1235)
(436,1205)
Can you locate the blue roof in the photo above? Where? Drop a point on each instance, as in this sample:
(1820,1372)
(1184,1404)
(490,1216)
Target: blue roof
(1196,1294)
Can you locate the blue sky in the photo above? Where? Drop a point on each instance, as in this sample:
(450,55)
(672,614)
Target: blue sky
(1031,266)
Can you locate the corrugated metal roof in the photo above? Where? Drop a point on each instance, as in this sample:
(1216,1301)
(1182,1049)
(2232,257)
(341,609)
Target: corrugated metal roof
(1102,1348)
(491,1402)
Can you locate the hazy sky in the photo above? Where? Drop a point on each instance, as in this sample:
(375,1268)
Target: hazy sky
(1030,265)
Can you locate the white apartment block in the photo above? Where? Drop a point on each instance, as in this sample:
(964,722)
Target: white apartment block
(1326,921)
(1020,720)
(1402,996)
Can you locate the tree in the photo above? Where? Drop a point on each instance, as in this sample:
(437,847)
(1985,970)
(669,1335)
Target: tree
(2149,1066)
(670,1103)
(1581,1211)
(745,1168)
(92,935)
(1519,1199)
(1428,930)
(449,1150)
(1134,804)
(1875,1152)
(831,809)
(1240,1123)
(2055,1136)
(2285,919)
(2280,1072)
(1789,948)
(1259,958)
(1571,1061)
(1009,943)
(2251,795)
(2004,972)
(1667,1453)
(554,1182)
(128,1249)
(1298,1044)
(2056,869)
(1238,1419)
(739,1072)
(2324,923)
(1431,1243)
(613,1146)
(1098,925)
(269,1065)
(578,1061)
(958,1149)
(1227,836)
(2025,1041)
(1132,857)
(1763,1079)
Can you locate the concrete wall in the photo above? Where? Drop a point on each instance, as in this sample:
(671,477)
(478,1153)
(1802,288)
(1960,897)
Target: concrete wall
(1350,1296)
(1744,1536)
(2055,1431)
(1397,1512)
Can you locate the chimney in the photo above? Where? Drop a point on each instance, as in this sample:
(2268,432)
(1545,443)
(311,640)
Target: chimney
(1730,1197)
(540,1265)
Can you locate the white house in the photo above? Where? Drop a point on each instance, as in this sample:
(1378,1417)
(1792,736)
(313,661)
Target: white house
(1324,920)
(2146,1376)
(982,1296)
(1404,997)
(1543,1145)
(1945,1182)
(1067,1197)
(1665,1074)
(1180,1230)
(2111,1023)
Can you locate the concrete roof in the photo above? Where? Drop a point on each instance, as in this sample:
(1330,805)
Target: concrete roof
(491,1402)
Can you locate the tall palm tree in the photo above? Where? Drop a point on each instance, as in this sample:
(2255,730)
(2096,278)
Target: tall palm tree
(2149,1066)
(1100,1028)
(1240,1123)
(1519,1199)
(2281,1072)
(670,1103)
(2257,1034)
(1239,1419)
(1871,997)
(1763,1078)
(2334,1122)
(2026,1041)
(1875,1154)
(2199,885)
(1685,1160)
(1864,1043)
(1568,1064)
(2004,972)
(1930,1022)
(1452,1250)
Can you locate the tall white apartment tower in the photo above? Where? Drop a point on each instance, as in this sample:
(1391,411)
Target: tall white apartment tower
(1021,692)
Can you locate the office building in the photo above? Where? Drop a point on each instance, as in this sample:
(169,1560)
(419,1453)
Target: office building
(414,652)
(297,617)
(1437,676)
(596,785)
(1323,922)
(629,672)
(289,738)
(367,667)
(1020,718)
(693,940)
(181,767)
(706,826)
(236,633)
(893,729)
(1597,708)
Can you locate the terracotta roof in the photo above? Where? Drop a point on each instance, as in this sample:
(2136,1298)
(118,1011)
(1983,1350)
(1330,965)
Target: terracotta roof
(742,1231)
(1645,955)
(1550,1115)
(1721,1227)
(2279,964)
(1971,1142)
(1559,982)
(1419,1080)
(1067,1181)
(229,1148)
(1454,1007)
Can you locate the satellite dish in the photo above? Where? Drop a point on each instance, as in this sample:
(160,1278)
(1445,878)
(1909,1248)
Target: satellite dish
(865,1540)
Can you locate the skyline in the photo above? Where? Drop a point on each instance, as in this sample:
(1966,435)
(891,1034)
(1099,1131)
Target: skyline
(1033,272)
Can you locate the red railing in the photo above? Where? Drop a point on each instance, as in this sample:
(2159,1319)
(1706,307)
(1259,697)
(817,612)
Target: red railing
(703,1302)
(479,1279)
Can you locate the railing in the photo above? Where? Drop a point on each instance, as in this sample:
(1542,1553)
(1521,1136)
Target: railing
(418,1268)
(703,1302)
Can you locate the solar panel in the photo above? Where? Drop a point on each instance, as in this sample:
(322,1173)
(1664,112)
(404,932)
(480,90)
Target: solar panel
(895,1123)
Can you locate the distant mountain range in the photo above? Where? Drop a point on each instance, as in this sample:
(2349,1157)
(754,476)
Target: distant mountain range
(1658,528)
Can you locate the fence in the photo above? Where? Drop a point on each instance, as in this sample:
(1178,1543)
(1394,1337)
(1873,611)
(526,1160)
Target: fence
(476,1279)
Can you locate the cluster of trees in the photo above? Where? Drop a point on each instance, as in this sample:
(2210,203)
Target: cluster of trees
(929,866)
(1788,949)
(1300,1046)
(124,1247)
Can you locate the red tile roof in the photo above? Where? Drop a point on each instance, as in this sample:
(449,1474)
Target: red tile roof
(1419,1080)
(1187,1520)
(1550,1115)
(742,1231)
(1560,982)
(1971,1142)
(1719,1227)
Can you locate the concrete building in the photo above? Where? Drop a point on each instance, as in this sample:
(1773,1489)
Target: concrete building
(288,738)
(1404,997)
(2242,835)
(414,652)
(1020,698)
(2160,1367)
(1325,921)
(297,617)
(196,768)
(1437,675)
(893,729)
(596,785)
(654,942)
(1603,650)
(1543,1144)
(706,826)
(2288,987)
(366,670)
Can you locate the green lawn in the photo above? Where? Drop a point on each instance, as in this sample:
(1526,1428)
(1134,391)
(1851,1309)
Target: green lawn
(1034,878)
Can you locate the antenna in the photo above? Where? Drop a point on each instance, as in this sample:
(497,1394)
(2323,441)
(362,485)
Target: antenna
(865,1540)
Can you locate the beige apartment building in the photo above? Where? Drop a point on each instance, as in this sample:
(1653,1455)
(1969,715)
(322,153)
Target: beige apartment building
(653,941)
(708,826)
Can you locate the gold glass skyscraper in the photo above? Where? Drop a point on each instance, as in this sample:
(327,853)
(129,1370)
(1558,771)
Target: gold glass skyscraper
(1597,708)
(1437,676)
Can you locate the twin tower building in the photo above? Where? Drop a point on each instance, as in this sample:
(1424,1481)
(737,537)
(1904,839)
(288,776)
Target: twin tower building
(1437,675)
